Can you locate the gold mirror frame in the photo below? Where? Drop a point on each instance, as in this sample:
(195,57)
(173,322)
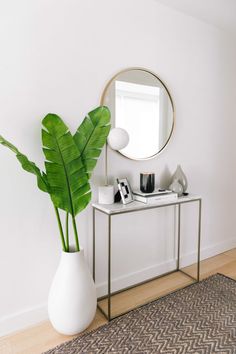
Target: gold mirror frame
(171,100)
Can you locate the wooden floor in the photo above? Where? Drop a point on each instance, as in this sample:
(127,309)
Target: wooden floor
(38,339)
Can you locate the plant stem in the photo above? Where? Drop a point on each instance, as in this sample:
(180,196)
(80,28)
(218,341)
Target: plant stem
(61,230)
(67,232)
(76,234)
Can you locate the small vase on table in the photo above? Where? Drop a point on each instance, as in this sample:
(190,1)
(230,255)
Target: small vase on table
(180,176)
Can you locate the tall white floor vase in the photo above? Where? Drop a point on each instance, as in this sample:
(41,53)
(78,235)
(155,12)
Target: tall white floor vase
(72,298)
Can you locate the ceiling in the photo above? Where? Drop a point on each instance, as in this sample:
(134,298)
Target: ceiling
(220,13)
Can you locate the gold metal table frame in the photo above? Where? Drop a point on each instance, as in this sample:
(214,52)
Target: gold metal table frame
(117,209)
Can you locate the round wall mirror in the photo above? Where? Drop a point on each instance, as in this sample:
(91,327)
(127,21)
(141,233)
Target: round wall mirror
(141,104)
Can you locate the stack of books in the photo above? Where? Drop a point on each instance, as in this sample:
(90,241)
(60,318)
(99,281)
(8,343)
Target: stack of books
(159,195)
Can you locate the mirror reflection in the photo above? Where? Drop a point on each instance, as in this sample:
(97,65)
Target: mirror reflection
(140,103)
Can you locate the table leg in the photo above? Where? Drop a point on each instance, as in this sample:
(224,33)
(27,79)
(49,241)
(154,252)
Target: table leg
(179,227)
(109,267)
(199,238)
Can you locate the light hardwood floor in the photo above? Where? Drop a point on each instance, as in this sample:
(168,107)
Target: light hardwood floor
(42,337)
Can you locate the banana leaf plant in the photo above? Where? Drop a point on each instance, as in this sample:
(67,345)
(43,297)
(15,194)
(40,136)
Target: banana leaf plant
(70,160)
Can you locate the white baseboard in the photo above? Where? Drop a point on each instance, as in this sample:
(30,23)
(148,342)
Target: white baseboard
(218,248)
(32,316)
(208,252)
(23,319)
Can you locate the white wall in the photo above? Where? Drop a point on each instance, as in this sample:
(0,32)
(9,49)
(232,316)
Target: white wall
(56,56)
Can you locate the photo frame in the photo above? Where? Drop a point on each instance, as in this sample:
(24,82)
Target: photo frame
(125,190)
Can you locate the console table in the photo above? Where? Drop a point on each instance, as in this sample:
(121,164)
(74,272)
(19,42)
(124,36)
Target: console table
(117,209)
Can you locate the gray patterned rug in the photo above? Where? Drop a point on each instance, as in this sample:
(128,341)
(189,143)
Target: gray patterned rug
(199,319)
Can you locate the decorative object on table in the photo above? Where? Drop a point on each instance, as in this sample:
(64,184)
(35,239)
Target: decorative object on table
(157,192)
(69,163)
(106,194)
(117,139)
(147,182)
(125,190)
(197,319)
(176,187)
(156,196)
(180,176)
(117,197)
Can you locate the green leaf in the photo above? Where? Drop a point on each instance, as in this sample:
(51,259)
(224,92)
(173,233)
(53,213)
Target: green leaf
(66,175)
(91,136)
(27,165)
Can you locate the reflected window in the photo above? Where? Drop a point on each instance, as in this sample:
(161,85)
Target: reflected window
(137,109)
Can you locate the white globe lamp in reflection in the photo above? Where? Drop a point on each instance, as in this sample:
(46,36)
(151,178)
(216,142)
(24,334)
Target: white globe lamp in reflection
(118,139)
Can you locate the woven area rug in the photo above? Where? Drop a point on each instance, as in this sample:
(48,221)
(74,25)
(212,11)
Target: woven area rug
(200,319)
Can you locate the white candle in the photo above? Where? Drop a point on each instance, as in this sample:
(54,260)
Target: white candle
(106,194)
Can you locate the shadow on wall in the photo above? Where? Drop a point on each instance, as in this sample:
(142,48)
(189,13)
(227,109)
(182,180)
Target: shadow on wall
(165,178)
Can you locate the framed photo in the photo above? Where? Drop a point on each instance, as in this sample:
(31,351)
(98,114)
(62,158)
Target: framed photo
(125,190)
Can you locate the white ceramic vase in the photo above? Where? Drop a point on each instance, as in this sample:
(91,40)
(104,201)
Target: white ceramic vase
(72,298)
